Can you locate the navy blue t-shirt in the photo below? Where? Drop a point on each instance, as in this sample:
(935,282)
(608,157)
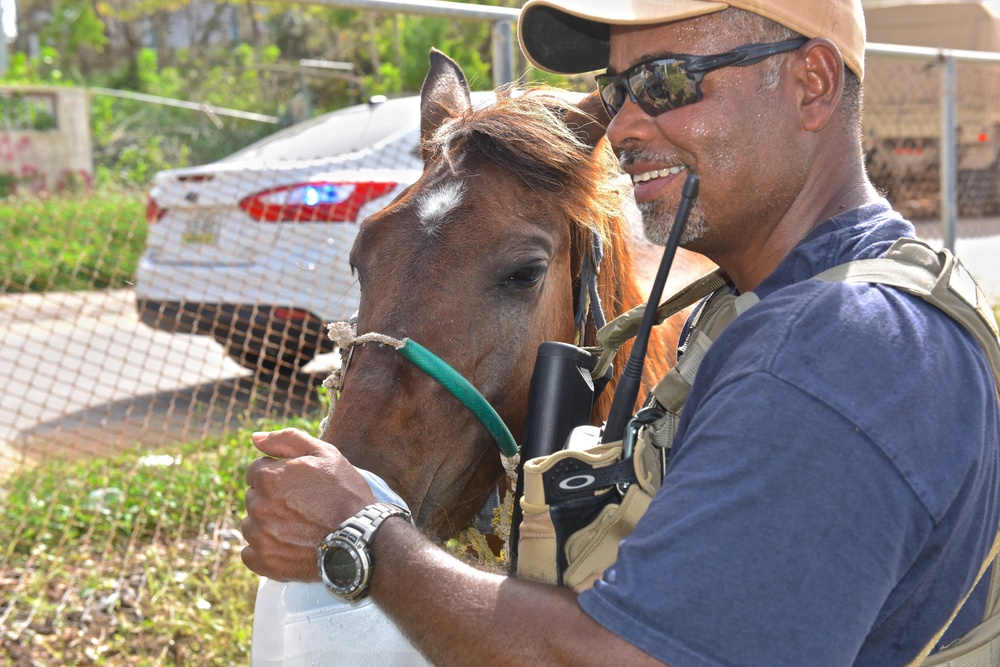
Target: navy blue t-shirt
(833,489)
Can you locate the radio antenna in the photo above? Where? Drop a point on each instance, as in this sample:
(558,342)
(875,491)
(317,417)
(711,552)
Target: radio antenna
(630,381)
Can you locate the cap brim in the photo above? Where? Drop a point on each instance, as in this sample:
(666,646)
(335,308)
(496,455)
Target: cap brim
(572,36)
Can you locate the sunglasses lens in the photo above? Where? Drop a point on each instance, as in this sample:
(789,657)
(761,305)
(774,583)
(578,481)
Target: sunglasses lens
(613,93)
(663,85)
(658,87)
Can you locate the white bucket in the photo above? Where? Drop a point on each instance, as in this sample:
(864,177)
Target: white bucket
(303,624)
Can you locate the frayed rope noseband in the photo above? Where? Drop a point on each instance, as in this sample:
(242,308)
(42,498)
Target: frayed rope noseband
(342,333)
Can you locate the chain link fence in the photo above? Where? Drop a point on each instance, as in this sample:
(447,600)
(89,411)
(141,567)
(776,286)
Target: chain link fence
(905,149)
(142,338)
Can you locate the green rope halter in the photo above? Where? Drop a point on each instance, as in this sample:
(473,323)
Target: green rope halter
(343,334)
(461,389)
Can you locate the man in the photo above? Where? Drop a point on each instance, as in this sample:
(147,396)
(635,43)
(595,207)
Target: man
(833,491)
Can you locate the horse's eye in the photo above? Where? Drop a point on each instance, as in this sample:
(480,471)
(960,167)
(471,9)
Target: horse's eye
(526,276)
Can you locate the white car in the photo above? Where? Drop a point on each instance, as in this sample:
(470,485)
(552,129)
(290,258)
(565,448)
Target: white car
(252,250)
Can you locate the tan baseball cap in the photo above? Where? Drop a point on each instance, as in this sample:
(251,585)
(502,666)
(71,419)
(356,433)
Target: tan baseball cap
(571,36)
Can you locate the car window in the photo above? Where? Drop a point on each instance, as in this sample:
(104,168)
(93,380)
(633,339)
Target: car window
(344,131)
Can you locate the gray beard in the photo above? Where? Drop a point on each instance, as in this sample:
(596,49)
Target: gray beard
(657,217)
(658,220)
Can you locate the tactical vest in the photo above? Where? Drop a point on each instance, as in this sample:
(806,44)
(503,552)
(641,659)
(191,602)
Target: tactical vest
(580,502)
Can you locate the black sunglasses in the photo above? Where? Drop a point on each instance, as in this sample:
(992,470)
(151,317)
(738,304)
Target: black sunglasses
(662,84)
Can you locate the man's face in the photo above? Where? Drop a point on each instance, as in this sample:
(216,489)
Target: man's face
(737,139)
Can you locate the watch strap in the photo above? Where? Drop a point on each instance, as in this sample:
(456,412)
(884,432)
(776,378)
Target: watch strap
(352,538)
(371,517)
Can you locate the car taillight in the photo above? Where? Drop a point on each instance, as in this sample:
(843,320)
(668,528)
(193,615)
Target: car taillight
(314,202)
(293,314)
(153,211)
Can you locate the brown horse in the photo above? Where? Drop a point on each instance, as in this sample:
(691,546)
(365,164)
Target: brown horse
(479,261)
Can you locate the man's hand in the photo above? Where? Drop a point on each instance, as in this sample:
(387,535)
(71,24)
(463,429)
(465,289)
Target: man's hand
(301,491)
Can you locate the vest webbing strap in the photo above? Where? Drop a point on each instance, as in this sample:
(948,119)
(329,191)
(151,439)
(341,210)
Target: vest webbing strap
(624,327)
(936,277)
(939,278)
(973,657)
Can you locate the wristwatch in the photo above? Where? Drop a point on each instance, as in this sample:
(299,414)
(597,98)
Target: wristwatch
(345,559)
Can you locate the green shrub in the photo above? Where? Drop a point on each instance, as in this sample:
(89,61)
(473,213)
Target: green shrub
(70,241)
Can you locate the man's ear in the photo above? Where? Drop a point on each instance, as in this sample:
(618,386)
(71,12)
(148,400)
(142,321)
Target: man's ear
(821,73)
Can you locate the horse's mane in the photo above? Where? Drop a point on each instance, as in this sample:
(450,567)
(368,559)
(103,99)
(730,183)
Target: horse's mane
(533,134)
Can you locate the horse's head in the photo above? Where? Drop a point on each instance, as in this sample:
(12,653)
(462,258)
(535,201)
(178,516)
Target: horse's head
(479,261)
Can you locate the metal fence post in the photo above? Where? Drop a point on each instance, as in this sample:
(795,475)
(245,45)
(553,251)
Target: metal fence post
(503,53)
(949,150)
(3,44)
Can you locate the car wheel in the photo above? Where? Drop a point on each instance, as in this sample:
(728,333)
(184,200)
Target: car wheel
(273,361)
(268,352)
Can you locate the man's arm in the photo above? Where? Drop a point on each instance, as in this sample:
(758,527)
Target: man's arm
(454,613)
(458,615)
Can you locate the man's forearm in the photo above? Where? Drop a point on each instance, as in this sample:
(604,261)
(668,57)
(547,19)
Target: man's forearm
(458,615)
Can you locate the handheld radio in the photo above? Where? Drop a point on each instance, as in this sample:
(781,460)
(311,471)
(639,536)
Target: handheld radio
(561,394)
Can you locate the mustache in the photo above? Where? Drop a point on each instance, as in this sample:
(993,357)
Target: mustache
(629,156)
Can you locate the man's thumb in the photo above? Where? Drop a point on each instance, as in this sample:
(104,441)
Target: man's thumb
(287,443)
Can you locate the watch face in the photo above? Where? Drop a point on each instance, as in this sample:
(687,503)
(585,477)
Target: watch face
(344,559)
(344,567)
(341,567)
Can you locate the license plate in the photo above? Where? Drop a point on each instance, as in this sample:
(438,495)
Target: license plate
(200,232)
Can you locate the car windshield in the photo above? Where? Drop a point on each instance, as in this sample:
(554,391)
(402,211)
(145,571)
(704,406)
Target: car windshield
(338,132)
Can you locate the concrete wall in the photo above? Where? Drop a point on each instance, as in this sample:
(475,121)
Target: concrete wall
(45,139)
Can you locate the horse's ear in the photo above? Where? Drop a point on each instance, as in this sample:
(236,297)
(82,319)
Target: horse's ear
(589,119)
(444,94)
